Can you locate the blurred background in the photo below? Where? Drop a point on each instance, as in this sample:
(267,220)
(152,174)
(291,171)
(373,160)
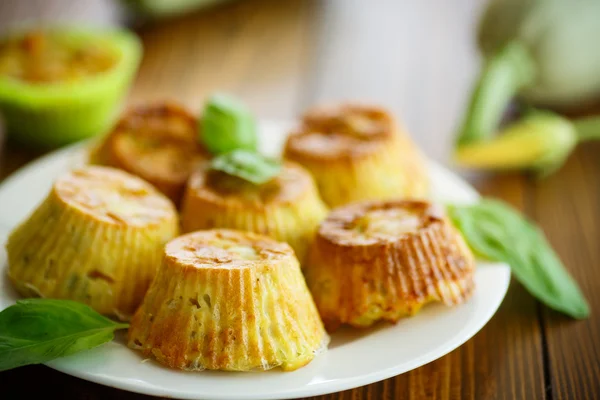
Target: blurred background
(420,59)
(283,56)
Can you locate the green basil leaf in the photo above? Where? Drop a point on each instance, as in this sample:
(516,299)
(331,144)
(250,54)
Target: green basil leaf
(247,165)
(495,231)
(227,125)
(36,331)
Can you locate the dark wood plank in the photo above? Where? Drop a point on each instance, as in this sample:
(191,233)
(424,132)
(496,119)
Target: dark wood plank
(567,206)
(12,157)
(17,384)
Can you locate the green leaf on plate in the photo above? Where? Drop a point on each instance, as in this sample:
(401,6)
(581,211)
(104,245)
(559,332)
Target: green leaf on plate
(227,125)
(247,165)
(36,331)
(496,232)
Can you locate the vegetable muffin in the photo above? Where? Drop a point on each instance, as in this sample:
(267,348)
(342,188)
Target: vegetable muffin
(97,238)
(228,300)
(384,260)
(157,142)
(287,208)
(357,153)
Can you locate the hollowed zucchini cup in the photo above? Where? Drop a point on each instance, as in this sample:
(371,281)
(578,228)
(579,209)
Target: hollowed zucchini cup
(50,96)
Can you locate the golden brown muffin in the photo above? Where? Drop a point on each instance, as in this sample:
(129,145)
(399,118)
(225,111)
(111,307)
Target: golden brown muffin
(357,153)
(228,300)
(157,142)
(97,238)
(287,208)
(384,260)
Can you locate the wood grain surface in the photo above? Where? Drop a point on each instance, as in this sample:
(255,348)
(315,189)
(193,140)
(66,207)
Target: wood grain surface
(418,59)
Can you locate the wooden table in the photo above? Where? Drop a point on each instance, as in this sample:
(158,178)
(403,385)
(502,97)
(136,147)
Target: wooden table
(418,59)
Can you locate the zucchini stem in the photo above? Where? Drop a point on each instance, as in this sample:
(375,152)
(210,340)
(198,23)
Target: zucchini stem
(508,71)
(587,128)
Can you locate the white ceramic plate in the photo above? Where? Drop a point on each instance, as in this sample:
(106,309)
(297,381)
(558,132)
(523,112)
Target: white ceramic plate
(354,358)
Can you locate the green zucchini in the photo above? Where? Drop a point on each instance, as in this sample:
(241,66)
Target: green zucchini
(50,114)
(543,51)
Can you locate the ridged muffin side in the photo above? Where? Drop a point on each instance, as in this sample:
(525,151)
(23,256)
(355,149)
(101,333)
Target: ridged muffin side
(358,153)
(96,238)
(287,208)
(376,261)
(228,300)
